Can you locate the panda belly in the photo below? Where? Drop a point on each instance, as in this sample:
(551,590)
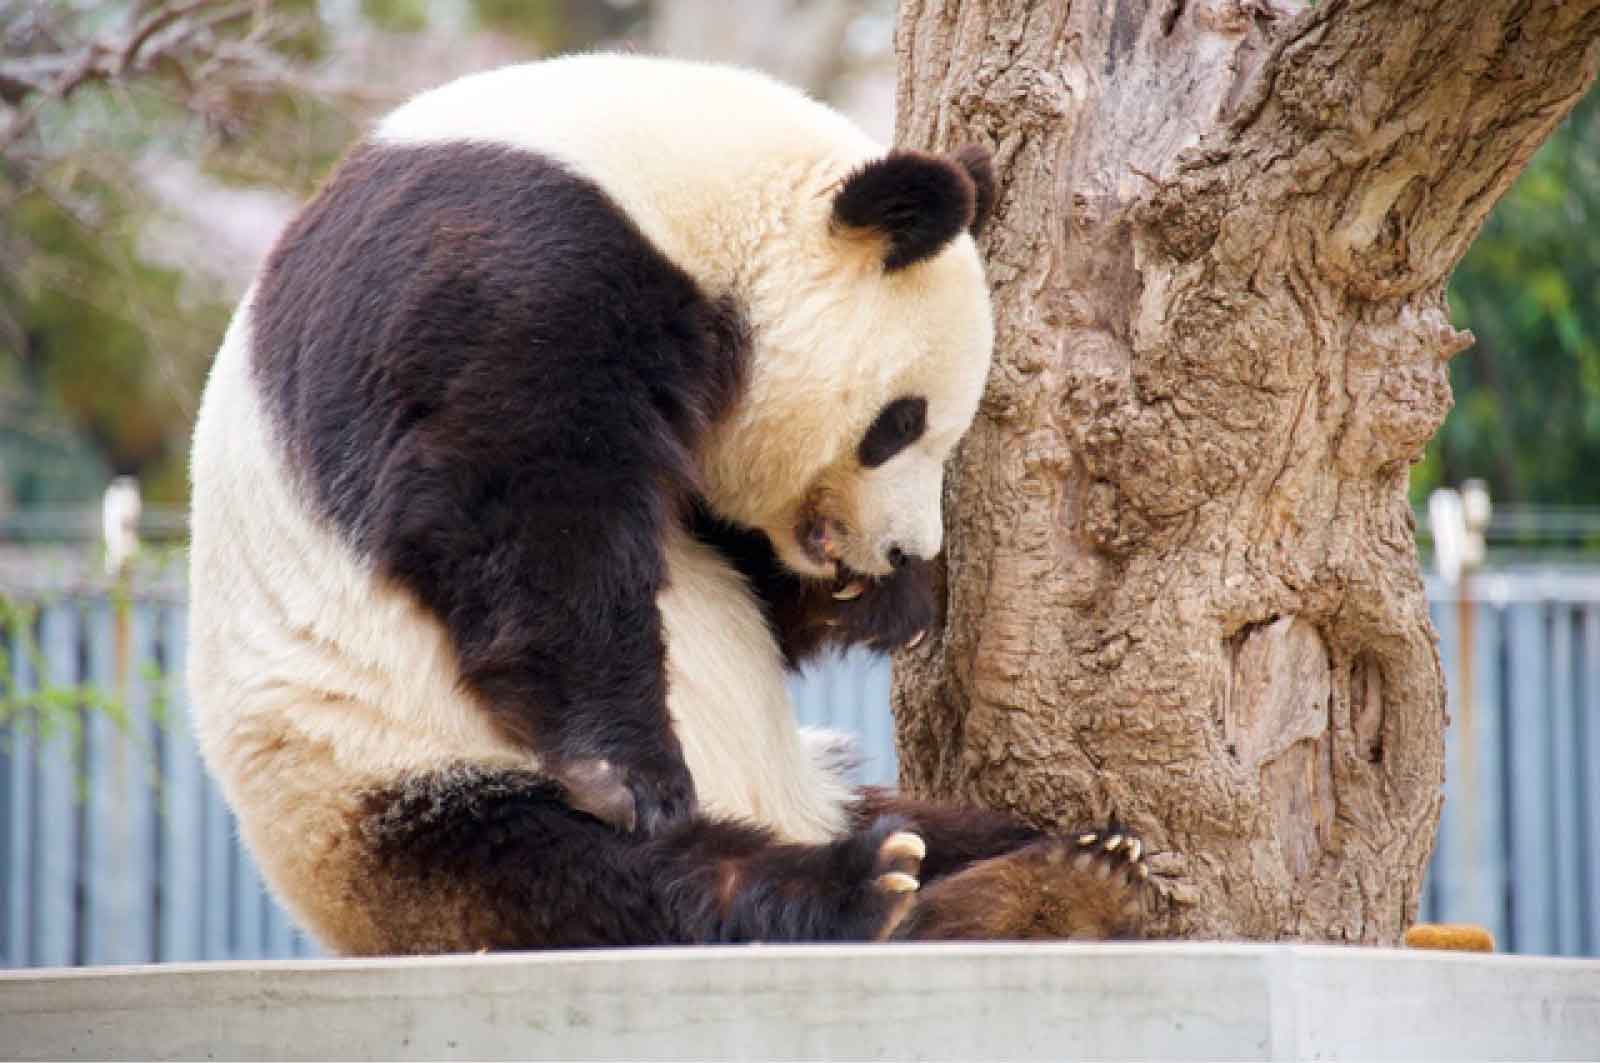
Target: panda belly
(730,704)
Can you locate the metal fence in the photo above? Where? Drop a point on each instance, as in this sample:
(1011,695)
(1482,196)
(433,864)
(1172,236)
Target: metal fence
(1519,843)
(116,848)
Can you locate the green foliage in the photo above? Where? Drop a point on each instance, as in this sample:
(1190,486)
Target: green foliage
(396,16)
(41,706)
(108,351)
(33,704)
(103,346)
(1527,416)
(557,25)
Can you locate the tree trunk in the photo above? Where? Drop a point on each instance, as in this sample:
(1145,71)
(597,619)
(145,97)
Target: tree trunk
(1182,586)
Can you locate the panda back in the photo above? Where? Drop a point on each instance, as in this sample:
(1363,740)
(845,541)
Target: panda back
(698,155)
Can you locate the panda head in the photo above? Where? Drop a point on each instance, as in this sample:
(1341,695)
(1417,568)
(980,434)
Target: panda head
(871,337)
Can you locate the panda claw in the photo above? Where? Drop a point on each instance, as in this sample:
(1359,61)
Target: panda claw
(1088,839)
(903,844)
(916,640)
(850,591)
(899,882)
(1135,847)
(1113,843)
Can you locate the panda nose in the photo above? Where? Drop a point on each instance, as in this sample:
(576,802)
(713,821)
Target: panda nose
(897,557)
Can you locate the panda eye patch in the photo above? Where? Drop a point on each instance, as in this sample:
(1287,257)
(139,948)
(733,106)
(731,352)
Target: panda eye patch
(897,426)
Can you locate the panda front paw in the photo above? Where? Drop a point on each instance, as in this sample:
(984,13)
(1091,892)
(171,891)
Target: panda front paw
(645,797)
(663,794)
(888,613)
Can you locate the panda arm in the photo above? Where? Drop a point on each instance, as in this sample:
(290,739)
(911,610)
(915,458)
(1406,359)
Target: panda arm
(494,385)
(889,613)
(805,615)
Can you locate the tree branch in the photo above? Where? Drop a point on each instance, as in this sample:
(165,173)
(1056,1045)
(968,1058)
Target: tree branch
(169,32)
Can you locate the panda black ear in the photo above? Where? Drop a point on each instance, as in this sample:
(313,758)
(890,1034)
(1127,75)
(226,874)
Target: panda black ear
(917,202)
(974,158)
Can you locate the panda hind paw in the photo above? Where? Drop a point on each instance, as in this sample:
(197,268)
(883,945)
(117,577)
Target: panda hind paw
(1087,885)
(1108,852)
(895,881)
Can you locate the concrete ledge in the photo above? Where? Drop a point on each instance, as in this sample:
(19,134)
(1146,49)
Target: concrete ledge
(925,1001)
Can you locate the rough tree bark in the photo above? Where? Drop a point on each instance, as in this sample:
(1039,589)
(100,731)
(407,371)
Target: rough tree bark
(1182,586)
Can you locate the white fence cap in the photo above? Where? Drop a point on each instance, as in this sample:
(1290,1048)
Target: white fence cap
(977,1001)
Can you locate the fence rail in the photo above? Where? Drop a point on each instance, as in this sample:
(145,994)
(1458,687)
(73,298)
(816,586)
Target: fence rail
(116,848)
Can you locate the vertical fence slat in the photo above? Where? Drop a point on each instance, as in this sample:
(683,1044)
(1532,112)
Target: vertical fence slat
(119,890)
(1564,822)
(840,707)
(55,811)
(1444,870)
(830,713)
(249,919)
(1467,875)
(1527,738)
(104,843)
(1590,759)
(280,932)
(802,695)
(21,781)
(875,678)
(183,803)
(218,871)
(1487,896)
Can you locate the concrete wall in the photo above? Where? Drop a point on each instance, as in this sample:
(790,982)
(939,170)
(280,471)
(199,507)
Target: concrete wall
(914,1001)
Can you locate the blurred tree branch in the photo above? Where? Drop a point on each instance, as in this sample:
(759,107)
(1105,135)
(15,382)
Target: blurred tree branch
(173,35)
(95,98)
(208,56)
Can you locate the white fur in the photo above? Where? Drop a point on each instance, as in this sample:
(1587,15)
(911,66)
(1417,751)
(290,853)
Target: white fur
(730,706)
(732,176)
(289,630)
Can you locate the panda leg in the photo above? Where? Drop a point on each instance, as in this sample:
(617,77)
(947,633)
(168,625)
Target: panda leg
(956,837)
(473,860)
(988,875)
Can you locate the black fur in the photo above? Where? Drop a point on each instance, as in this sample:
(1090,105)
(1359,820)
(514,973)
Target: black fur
(919,202)
(898,425)
(499,861)
(472,859)
(976,161)
(804,616)
(956,837)
(493,384)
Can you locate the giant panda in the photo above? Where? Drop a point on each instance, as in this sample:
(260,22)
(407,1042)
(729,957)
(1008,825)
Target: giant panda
(586,398)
